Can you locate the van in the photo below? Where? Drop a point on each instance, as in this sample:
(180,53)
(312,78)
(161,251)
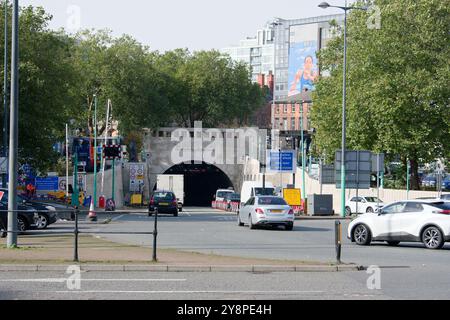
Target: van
(255,188)
(222,193)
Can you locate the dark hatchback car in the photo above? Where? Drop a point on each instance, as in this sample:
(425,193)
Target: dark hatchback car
(46,212)
(26,218)
(165,202)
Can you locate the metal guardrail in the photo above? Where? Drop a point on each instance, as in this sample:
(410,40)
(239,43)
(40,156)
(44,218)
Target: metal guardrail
(77,231)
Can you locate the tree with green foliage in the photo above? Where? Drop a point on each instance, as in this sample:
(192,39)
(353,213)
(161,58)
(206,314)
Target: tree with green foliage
(48,82)
(398,84)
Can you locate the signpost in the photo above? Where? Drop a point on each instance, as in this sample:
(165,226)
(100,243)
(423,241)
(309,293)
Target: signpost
(47,184)
(358,168)
(112,152)
(283,161)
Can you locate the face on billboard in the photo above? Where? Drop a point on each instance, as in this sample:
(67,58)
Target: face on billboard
(303,70)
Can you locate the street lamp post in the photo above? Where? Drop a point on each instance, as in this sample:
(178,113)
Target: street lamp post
(14,130)
(5,95)
(325,5)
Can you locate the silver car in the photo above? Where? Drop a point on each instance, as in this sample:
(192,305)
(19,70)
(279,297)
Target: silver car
(266,211)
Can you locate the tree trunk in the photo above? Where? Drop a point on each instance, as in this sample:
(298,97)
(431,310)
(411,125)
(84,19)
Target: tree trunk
(415,181)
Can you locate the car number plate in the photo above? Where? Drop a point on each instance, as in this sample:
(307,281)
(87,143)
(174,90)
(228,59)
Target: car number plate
(276,211)
(163,204)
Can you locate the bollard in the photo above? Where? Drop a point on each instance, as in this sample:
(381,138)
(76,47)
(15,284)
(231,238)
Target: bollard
(76,232)
(338,241)
(155,235)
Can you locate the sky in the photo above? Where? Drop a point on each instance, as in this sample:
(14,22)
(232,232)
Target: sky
(169,24)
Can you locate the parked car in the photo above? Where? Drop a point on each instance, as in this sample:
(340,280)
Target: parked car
(266,211)
(46,213)
(429,181)
(26,218)
(365,204)
(446,183)
(426,221)
(445,197)
(165,202)
(230,198)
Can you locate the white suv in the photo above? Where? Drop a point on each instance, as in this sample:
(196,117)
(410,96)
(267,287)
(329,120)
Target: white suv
(364,204)
(426,221)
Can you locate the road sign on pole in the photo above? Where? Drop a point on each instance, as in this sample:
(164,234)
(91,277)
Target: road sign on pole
(358,167)
(283,161)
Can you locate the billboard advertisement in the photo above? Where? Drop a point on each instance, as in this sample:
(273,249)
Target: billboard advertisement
(303,65)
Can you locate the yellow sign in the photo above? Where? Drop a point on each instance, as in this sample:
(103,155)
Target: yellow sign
(293,196)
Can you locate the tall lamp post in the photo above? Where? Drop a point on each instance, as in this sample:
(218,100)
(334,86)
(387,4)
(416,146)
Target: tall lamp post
(5,95)
(325,5)
(14,130)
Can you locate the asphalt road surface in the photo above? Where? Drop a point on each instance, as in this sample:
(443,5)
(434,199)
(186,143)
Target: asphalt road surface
(407,272)
(208,231)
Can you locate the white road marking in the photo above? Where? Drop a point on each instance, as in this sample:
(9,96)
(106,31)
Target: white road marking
(62,280)
(189,292)
(118,218)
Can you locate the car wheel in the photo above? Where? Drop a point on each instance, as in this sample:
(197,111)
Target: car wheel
(250,223)
(348,212)
(175,214)
(181,210)
(369,210)
(240,224)
(432,238)
(42,222)
(22,225)
(289,227)
(362,235)
(393,243)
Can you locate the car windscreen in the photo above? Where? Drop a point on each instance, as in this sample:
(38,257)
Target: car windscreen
(164,196)
(264,192)
(372,199)
(235,197)
(223,194)
(272,201)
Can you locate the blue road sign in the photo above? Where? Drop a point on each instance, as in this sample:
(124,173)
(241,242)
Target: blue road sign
(281,161)
(47,184)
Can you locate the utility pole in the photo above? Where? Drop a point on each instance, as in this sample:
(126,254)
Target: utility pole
(5,97)
(14,130)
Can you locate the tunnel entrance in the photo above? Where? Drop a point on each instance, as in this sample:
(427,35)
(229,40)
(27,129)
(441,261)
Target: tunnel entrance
(201,181)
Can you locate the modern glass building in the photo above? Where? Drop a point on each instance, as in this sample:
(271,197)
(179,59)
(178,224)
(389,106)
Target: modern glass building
(283,56)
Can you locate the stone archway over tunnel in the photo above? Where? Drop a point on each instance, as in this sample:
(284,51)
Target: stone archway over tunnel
(201,181)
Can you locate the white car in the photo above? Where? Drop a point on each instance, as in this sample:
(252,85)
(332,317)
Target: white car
(266,211)
(426,221)
(365,205)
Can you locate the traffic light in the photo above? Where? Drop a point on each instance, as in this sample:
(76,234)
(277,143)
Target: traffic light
(112,152)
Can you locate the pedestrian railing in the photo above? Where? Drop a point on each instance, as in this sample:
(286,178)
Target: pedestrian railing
(77,231)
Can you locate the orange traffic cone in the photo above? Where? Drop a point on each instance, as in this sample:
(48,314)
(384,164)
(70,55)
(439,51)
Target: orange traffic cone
(92,215)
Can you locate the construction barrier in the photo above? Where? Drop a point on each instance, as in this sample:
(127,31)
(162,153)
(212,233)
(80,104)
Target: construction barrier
(223,205)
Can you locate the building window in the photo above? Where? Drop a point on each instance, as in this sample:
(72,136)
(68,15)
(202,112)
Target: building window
(294,108)
(293,124)
(285,108)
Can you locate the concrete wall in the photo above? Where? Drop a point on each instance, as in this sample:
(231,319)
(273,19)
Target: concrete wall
(107,190)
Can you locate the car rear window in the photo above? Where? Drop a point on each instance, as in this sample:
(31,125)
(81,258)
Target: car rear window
(441,205)
(264,192)
(164,196)
(271,201)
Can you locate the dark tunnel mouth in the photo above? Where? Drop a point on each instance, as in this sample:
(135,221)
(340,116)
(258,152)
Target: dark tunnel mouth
(201,181)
